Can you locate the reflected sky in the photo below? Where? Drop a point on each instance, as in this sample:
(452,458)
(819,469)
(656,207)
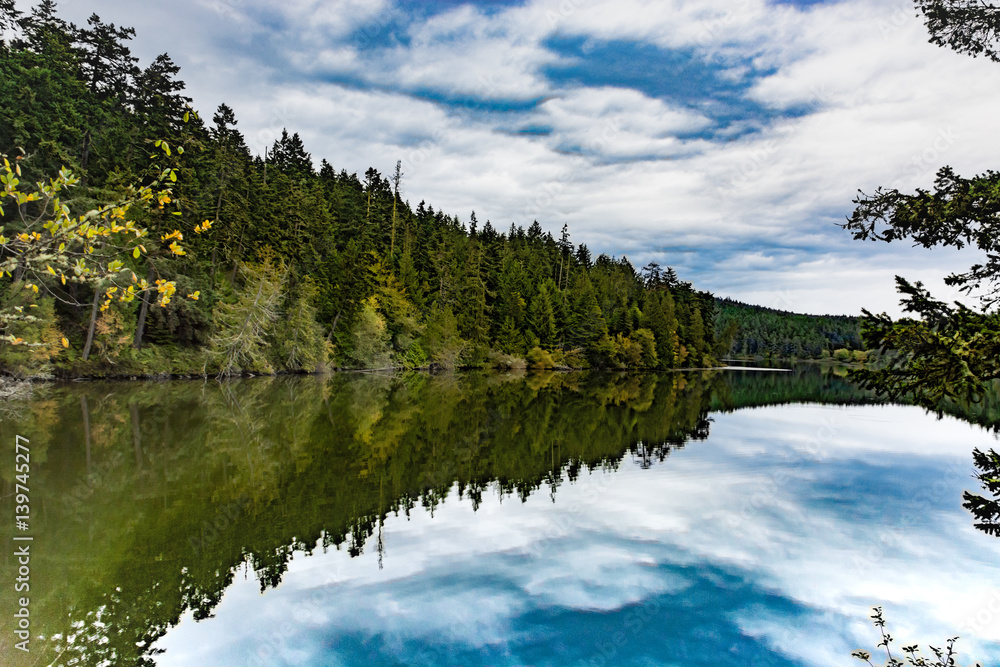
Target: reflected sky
(766,544)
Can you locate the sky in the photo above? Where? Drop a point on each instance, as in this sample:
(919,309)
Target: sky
(724,138)
(766,544)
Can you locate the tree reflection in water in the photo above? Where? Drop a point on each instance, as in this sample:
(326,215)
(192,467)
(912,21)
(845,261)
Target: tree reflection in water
(150,497)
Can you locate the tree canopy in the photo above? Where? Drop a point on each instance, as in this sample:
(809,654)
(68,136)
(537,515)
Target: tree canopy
(946,353)
(290,265)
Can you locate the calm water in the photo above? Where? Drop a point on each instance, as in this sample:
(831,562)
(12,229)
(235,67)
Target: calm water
(734,518)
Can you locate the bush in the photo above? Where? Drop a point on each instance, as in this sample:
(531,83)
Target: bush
(507,362)
(44,339)
(576,359)
(415,357)
(540,359)
(842,355)
(475,355)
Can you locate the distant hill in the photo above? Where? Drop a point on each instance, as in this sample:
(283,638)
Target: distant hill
(771,332)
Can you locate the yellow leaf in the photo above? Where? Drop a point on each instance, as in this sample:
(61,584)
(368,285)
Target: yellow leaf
(65,342)
(135,252)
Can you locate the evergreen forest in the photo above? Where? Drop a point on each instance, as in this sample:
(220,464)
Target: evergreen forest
(286,266)
(757,331)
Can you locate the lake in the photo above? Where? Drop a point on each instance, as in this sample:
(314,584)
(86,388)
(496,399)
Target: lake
(696,518)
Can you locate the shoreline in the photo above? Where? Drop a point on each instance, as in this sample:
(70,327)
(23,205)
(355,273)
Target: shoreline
(12,380)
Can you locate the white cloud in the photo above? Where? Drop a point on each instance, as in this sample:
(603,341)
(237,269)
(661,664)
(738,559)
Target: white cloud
(878,106)
(618,123)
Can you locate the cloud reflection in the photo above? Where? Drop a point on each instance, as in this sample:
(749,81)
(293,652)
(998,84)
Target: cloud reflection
(765,545)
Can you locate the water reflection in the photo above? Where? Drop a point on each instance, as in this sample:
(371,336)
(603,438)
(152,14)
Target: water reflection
(152,500)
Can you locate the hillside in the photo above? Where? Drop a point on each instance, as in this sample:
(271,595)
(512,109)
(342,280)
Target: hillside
(761,331)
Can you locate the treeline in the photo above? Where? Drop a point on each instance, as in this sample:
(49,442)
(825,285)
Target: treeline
(767,332)
(287,267)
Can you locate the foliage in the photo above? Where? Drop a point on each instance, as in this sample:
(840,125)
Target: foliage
(986,510)
(299,338)
(49,247)
(448,292)
(371,337)
(441,338)
(759,331)
(842,354)
(967,26)
(244,327)
(942,657)
(540,359)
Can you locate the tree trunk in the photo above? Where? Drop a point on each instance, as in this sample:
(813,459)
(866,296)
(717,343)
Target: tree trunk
(392,242)
(93,322)
(329,336)
(140,326)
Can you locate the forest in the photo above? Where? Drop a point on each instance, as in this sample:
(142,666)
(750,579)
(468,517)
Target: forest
(768,332)
(278,265)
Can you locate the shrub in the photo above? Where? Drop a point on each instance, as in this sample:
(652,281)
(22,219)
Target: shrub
(540,359)
(503,361)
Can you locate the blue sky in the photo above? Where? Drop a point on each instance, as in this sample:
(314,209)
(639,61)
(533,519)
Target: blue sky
(725,138)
